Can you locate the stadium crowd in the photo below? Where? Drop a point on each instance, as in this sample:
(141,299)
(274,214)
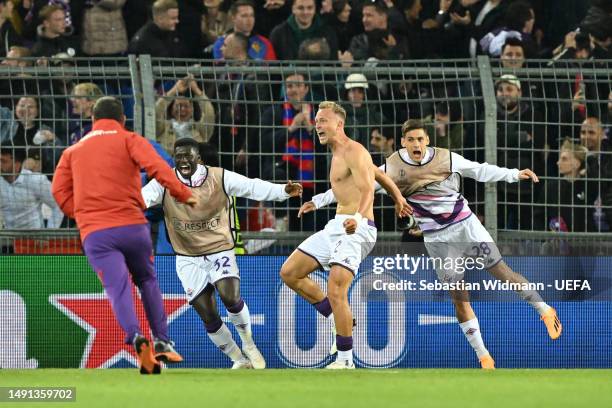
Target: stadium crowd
(262,126)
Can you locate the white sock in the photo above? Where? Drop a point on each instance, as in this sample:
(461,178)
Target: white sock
(223,339)
(471,330)
(242,323)
(346,355)
(535,300)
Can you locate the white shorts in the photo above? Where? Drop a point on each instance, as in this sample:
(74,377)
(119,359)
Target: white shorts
(467,239)
(332,245)
(197,272)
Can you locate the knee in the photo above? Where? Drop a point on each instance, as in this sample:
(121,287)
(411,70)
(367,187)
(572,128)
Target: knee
(229,299)
(287,274)
(336,293)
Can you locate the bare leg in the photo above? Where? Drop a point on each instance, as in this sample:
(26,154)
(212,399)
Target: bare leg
(294,273)
(338,285)
(468,322)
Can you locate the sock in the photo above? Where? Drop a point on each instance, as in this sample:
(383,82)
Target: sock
(220,335)
(323,307)
(471,330)
(241,319)
(534,299)
(345,347)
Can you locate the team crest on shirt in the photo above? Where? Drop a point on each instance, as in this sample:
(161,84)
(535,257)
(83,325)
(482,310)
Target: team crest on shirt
(402,173)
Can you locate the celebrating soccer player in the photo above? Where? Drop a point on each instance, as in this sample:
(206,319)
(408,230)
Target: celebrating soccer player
(203,241)
(430,179)
(348,238)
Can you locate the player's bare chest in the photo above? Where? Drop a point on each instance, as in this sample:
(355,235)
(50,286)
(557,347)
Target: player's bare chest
(339,170)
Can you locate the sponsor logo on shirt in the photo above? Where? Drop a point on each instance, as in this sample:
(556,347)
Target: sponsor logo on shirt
(196,225)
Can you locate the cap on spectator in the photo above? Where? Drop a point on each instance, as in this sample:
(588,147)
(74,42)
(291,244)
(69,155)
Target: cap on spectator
(356,81)
(510,79)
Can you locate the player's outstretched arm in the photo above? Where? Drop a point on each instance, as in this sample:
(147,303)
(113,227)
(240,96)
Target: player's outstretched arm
(483,172)
(402,208)
(257,189)
(527,174)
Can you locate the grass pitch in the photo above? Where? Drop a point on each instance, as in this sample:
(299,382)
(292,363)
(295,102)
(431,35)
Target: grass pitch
(319,388)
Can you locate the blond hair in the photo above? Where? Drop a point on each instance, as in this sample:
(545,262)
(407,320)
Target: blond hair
(336,108)
(89,89)
(162,6)
(578,151)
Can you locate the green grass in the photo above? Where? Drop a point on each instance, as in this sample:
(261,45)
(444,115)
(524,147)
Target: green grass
(318,388)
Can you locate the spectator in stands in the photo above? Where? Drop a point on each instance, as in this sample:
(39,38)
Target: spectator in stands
(159,38)
(242,14)
(483,16)
(519,20)
(382,144)
(271,13)
(448,124)
(569,200)
(8,35)
(512,54)
(215,22)
(104,32)
(15,52)
(453,28)
(521,136)
(598,23)
(178,116)
(378,41)
(43,149)
(23,193)
(238,120)
(29,11)
(52,36)
(361,116)
(304,23)
(84,97)
(339,21)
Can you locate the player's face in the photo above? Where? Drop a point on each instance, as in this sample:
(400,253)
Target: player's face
(327,123)
(244,20)
(186,159)
(415,142)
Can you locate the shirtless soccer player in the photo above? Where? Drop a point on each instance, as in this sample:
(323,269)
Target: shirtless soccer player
(430,178)
(348,238)
(203,241)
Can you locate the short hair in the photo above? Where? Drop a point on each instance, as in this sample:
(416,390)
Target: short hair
(578,151)
(23,52)
(306,53)
(233,10)
(412,124)
(288,74)
(187,142)
(336,108)
(338,6)
(379,6)
(452,109)
(46,11)
(17,153)
(243,40)
(91,90)
(162,6)
(108,107)
(513,42)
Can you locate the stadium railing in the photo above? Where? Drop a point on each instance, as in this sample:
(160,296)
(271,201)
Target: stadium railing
(457,98)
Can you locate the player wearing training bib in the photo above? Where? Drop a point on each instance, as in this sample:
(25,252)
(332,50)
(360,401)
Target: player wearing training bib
(203,241)
(430,180)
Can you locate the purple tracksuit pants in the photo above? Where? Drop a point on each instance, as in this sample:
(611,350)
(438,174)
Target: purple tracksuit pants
(115,254)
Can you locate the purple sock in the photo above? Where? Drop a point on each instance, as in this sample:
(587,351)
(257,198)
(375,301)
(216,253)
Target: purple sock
(344,343)
(237,308)
(323,307)
(213,327)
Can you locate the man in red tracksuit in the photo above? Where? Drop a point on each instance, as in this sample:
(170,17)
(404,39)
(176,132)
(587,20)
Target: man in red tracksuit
(97,182)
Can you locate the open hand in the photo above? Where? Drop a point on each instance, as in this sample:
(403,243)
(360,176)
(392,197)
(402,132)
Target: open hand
(402,208)
(306,208)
